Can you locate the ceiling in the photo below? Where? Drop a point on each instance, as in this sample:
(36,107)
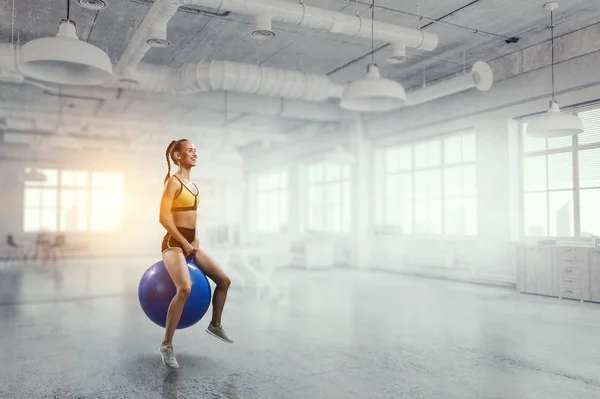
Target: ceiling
(468,31)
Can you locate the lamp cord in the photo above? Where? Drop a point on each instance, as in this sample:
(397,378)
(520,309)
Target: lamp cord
(12,26)
(68,10)
(552,43)
(373,32)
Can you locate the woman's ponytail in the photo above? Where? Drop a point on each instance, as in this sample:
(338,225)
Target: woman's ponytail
(168,154)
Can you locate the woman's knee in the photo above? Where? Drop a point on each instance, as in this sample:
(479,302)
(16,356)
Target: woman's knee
(184,290)
(224,282)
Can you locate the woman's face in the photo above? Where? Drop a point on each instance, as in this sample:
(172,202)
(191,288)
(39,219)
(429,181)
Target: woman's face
(187,154)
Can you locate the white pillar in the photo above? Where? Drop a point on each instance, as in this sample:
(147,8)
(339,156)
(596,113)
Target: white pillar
(493,197)
(295,200)
(492,179)
(362,206)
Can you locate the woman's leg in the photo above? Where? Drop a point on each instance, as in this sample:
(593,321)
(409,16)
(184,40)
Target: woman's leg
(178,271)
(216,274)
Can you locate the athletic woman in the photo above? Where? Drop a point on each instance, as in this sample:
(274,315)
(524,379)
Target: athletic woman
(178,214)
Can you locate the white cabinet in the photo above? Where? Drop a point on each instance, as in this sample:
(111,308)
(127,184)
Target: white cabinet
(545,281)
(536,270)
(573,273)
(595,275)
(521,267)
(561,271)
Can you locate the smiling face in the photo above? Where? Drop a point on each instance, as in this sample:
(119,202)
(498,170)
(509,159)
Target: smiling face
(186,155)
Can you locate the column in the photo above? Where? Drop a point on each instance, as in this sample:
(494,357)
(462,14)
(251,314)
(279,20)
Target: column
(363,189)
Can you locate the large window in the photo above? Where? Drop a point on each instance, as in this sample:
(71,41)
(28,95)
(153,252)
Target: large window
(429,186)
(329,198)
(72,200)
(561,181)
(271,201)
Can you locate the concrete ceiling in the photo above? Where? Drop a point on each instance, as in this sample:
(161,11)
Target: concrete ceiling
(468,29)
(198,36)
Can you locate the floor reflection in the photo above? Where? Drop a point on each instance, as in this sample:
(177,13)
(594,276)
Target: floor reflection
(331,334)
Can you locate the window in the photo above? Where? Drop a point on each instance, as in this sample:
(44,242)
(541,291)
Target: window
(41,200)
(271,201)
(561,181)
(429,186)
(329,198)
(73,200)
(107,201)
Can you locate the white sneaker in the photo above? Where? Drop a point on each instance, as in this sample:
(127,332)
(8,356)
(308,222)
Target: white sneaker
(168,358)
(219,332)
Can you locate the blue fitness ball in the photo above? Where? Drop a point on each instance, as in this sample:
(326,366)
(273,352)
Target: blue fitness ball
(156,290)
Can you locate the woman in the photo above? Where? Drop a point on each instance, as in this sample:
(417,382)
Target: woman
(178,215)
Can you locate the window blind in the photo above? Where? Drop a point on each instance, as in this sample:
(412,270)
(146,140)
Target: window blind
(591,126)
(589,168)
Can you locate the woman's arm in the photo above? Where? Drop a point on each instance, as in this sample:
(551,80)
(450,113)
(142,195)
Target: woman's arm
(165,218)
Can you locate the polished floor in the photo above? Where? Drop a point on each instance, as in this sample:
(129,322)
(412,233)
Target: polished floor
(77,331)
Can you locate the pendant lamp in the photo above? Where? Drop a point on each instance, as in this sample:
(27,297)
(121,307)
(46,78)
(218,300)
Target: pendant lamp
(373,93)
(554,123)
(64,59)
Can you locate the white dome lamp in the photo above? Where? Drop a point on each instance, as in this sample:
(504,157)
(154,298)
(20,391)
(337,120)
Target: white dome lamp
(373,93)
(64,59)
(554,123)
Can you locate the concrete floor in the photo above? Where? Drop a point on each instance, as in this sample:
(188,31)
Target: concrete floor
(78,332)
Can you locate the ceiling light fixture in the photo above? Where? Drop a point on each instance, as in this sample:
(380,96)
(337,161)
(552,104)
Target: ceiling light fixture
(94,5)
(263,29)
(398,53)
(64,59)
(373,93)
(554,123)
(158,37)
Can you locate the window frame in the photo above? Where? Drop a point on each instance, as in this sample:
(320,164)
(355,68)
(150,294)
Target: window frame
(59,188)
(379,167)
(323,184)
(575,148)
(282,190)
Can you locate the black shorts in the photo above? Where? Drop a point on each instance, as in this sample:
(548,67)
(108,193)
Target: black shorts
(170,242)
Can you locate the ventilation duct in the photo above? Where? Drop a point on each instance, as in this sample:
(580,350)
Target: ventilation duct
(251,79)
(247,88)
(236,77)
(481,77)
(279,10)
(218,102)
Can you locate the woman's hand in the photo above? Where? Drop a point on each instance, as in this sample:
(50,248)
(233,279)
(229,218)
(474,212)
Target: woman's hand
(189,249)
(196,243)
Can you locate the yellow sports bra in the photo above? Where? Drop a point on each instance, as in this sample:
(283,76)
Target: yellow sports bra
(185,200)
